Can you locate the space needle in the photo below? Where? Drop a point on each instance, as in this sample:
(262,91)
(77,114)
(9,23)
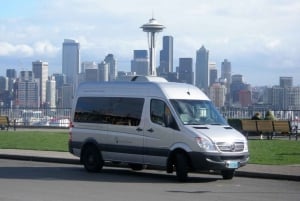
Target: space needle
(151,28)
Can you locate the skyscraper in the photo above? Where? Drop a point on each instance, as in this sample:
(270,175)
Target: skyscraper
(226,72)
(71,61)
(213,73)
(186,70)
(51,92)
(40,71)
(202,73)
(28,91)
(112,66)
(166,56)
(286,82)
(103,72)
(140,62)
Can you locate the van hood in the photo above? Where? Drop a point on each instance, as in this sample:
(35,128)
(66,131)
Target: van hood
(217,133)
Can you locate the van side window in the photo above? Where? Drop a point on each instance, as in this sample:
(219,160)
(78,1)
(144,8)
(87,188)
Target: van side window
(109,110)
(161,114)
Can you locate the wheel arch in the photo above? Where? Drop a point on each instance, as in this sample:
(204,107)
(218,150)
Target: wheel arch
(86,143)
(179,148)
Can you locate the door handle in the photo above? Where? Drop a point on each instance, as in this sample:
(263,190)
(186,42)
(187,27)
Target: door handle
(139,129)
(150,130)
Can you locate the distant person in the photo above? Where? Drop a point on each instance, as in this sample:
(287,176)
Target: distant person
(256,116)
(269,116)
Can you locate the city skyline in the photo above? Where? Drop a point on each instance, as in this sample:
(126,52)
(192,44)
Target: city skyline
(257,37)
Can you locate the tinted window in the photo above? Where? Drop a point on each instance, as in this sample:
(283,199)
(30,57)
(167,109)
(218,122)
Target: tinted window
(109,110)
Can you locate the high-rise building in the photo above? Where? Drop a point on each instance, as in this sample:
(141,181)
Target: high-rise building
(166,56)
(112,67)
(71,61)
(103,72)
(140,62)
(28,91)
(217,94)
(226,73)
(3,84)
(67,96)
(286,82)
(91,75)
(51,92)
(40,71)
(11,73)
(186,73)
(213,73)
(60,80)
(201,71)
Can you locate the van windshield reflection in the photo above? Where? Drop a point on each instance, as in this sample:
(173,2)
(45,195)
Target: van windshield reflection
(197,112)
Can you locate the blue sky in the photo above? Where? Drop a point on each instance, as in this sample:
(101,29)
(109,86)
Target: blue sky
(259,37)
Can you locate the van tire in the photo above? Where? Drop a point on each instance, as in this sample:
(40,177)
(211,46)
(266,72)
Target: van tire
(92,159)
(182,167)
(227,174)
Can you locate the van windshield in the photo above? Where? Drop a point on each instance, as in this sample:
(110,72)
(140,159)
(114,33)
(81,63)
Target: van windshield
(197,112)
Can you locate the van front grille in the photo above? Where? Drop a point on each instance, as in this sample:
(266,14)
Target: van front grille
(230,147)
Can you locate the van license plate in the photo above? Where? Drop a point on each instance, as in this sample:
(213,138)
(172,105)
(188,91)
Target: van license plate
(232,164)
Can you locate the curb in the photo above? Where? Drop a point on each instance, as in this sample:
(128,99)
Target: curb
(77,162)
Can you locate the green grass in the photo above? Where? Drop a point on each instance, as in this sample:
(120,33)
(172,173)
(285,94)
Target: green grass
(274,152)
(34,140)
(267,152)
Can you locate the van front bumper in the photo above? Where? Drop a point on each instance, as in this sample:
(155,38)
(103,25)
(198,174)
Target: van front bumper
(208,161)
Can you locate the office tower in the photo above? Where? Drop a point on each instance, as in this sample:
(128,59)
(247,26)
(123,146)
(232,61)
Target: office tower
(40,71)
(60,80)
(91,75)
(11,73)
(152,27)
(67,96)
(51,92)
(213,73)
(217,94)
(186,70)
(286,82)
(226,72)
(3,84)
(88,65)
(103,72)
(71,61)
(112,67)
(201,76)
(28,90)
(236,86)
(166,56)
(140,62)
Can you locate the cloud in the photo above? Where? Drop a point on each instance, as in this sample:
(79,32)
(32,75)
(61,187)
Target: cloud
(25,50)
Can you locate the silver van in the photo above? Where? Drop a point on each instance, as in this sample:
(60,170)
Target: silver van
(160,124)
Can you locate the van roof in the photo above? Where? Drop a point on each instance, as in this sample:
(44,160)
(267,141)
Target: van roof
(168,90)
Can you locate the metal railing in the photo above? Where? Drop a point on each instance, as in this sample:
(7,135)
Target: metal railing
(60,117)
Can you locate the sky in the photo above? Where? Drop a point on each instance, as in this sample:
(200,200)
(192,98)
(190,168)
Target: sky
(261,38)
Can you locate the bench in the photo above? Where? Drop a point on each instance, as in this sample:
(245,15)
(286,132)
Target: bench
(4,122)
(268,127)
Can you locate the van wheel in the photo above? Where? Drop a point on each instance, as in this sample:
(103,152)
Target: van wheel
(182,167)
(227,174)
(136,167)
(92,159)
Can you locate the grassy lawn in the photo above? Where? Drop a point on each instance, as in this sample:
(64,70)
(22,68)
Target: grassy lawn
(34,140)
(269,152)
(274,152)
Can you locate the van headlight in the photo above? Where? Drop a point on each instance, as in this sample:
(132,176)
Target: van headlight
(205,144)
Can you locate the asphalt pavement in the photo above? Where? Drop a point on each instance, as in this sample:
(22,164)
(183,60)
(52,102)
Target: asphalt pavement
(283,172)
